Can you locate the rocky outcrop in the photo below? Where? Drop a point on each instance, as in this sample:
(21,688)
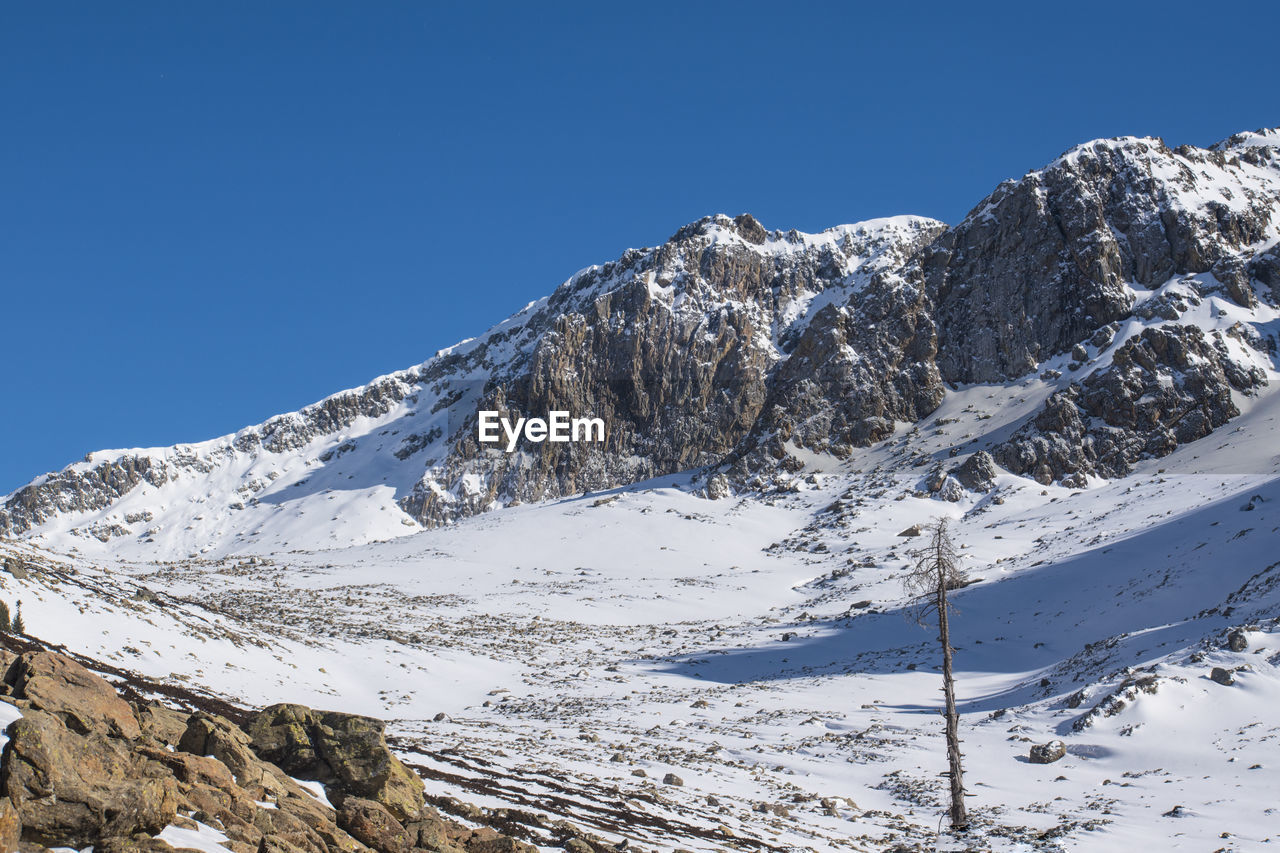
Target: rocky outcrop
(675,349)
(1166,386)
(78,489)
(83,767)
(94,485)
(1044,261)
(1047,753)
(346,752)
(856,370)
(81,700)
(977,473)
(75,789)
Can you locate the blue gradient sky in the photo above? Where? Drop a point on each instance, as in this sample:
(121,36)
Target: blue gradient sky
(214,212)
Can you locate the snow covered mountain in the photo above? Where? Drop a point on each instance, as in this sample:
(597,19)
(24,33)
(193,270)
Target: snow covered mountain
(671,346)
(1081,375)
(730,340)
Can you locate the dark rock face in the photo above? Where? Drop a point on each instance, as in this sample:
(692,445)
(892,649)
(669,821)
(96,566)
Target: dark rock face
(1165,387)
(674,349)
(1044,261)
(1266,269)
(977,473)
(855,370)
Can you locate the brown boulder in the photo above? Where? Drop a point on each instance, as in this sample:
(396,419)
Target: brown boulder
(188,769)
(347,752)
(431,832)
(277,845)
(372,824)
(355,748)
(64,688)
(1047,753)
(218,737)
(164,724)
(72,789)
(281,734)
(486,840)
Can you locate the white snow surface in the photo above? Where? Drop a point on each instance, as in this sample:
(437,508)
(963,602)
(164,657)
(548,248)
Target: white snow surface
(203,837)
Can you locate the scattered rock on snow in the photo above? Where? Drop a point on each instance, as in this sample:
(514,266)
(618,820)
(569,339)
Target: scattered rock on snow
(1047,753)
(1223,676)
(977,473)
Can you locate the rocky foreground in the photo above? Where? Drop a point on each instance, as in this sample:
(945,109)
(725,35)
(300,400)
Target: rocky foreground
(84,766)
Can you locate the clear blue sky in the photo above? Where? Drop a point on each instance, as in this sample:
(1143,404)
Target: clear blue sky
(212,212)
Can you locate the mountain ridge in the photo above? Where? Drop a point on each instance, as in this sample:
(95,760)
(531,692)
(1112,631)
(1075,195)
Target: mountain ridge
(734,344)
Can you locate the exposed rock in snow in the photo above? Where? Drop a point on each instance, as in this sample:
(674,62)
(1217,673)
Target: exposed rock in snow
(1167,386)
(1047,753)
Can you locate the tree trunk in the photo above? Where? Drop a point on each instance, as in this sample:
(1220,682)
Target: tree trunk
(959,817)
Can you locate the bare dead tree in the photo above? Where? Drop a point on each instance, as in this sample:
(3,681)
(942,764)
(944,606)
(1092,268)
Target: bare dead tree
(936,572)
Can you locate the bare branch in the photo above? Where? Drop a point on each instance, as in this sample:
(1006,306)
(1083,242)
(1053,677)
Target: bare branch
(937,565)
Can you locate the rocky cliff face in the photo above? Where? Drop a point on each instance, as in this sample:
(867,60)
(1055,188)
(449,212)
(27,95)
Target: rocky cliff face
(1044,261)
(675,350)
(732,342)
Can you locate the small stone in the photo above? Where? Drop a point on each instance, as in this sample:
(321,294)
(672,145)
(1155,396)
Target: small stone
(1222,676)
(672,779)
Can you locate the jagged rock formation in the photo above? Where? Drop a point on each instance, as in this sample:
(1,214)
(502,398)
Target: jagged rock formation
(732,343)
(1167,386)
(83,767)
(856,370)
(1044,261)
(673,348)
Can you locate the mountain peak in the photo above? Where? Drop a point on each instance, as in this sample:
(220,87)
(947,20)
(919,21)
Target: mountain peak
(1266,137)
